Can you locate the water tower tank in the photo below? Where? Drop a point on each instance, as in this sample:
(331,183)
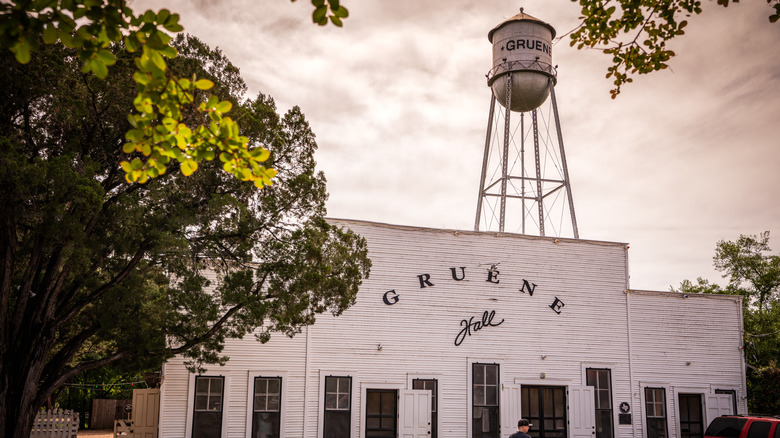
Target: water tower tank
(522,46)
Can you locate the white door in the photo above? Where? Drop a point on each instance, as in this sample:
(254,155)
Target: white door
(415,413)
(717,405)
(510,409)
(146,412)
(582,412)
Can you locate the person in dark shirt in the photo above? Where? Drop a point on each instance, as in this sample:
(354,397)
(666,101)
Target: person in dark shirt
(522,429)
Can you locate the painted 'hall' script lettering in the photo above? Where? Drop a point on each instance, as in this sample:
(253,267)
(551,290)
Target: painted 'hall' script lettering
(474,326)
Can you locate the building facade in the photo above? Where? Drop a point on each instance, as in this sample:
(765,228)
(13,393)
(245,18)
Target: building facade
(460,334)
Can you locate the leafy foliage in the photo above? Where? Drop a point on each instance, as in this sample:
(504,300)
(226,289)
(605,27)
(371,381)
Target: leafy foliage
(160,134)
(754,273)
(97,270)
(328,9)
(636,32)
(764,388)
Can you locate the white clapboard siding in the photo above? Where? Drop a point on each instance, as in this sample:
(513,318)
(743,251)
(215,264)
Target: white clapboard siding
(691,344)
(387,345)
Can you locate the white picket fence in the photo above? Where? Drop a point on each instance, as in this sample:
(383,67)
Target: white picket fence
(55,424)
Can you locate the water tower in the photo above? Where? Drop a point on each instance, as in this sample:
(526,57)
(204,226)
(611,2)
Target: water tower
(523,80)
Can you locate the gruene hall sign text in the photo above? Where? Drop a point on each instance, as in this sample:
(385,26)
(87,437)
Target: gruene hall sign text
(488,318)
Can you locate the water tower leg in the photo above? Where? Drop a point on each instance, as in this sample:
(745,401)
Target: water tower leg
(481,196)
(563,161)
(522,170)
(539,195)
(505,158)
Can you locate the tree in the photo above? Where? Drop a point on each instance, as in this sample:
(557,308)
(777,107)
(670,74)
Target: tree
(95,270)
(753,273)
(159,133)
(635,32)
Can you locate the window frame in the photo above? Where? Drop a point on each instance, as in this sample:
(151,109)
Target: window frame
(324,396)
(646,417)
(472,404)
(671,412)
(250,399)
(597,368)
(190,417)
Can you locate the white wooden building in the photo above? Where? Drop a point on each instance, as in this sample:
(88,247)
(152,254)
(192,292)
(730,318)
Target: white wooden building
(494,328)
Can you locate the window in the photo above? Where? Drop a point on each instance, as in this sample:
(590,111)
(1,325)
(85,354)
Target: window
(726,427)
(655,412)
(266,414)
(338,407)
(207,416)
(733,394)
(759,429)
(381,413)
(545,408)
(484,400)
(601,380)
(430,385)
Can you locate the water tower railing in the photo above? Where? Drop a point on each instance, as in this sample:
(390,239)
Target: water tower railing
(512,66)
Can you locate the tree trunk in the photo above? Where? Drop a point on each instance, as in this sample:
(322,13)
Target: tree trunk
(18,405)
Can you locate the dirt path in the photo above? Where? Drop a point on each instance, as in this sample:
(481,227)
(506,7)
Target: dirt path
(96,433)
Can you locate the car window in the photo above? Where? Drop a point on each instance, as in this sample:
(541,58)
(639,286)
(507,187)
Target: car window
(777,430)
(759,429)
(726,427)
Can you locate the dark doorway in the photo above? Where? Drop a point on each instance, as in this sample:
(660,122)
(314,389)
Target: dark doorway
(545,407)
(691,423)
(381,413)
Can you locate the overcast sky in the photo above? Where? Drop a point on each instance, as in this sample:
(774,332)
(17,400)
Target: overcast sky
(398,101)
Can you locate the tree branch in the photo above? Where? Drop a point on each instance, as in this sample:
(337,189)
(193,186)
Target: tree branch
(198,339)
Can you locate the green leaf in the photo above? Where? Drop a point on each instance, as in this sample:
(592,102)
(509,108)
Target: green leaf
(319,14)
(169,52)
(149,16)
(204,84)
(336,20)
(318,3)
(224,106)
(106,57)
(158,60)
(175,28)
(340,12)
(163,16)
(188,167)
(100,69)
(21,51)
(170,123)
(49,34)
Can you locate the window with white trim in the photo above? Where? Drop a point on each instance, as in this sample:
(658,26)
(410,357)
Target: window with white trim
(338,407)
(484,400)
(266,411)
(601,380)
(655,413)
(207,414)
